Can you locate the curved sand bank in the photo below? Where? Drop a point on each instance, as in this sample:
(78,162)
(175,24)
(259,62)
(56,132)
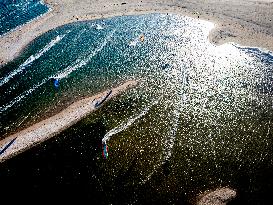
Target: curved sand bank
(220,196)
(247,22)
(48,128)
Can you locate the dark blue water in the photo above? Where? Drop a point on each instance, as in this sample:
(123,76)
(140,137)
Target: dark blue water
(200,118)
(14,13)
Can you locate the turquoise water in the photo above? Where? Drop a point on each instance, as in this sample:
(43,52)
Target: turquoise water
(200,118)
(14,13)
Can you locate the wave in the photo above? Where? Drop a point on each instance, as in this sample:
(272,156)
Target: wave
(78,63)
(126,125)
(82,62)
(22,96)
(99,27)
(169,143)
(134,42)
(31,59)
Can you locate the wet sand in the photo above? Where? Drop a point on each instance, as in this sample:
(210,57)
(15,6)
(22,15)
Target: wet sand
(247,22)
(48,128)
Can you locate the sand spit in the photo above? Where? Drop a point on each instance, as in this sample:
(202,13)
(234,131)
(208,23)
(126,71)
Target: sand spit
(246,22)
(48,128)
(220,196)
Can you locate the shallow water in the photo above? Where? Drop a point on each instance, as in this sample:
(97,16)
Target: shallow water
(14,13)
(200,118)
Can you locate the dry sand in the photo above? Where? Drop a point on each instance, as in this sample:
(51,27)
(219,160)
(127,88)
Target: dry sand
(48,128)
(247,22)
(220,196)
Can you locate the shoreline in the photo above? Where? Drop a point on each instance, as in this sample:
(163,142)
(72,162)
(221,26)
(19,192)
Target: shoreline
(231,24)
(48,128)
(30,21)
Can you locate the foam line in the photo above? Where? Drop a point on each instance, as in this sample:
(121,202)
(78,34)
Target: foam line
(22,96)
(78,63)
(31,59)
(82,62)
(99,27)
(124,126)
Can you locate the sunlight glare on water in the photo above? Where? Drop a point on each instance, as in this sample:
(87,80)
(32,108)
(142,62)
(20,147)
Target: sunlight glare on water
(200,116)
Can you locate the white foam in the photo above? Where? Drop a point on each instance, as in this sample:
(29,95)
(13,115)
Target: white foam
(22,96)
(124,126)
(31,59)
(99,27)
(134,42)
(169,143)
(82,62)
(78,63)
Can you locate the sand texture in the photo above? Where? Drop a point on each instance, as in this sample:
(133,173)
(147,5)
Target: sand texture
(247,22)
(49,127)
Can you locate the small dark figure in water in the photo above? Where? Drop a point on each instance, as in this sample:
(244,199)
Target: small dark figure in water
(165,66)
(104,150)
(56,83)
(167,169)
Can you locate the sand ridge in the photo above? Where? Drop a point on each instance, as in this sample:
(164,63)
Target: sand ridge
(247,22)
(49,127)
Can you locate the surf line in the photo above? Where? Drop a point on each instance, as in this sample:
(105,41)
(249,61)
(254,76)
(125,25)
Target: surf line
(31,59)
(7,146)
(51,126)
(22,96)
(124,126)
(82,62)
(78,64)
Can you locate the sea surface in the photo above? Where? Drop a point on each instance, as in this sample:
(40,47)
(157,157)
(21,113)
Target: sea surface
(14,13)
(200,118)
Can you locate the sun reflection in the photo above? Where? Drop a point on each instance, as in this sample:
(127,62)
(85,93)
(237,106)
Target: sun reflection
(197,104)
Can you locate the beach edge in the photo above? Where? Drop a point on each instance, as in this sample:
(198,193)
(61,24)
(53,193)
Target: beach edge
(225,30)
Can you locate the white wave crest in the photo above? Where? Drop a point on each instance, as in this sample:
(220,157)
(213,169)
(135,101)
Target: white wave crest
(124,126)
(82,62)
(31,59)
(99,27)
(22,96)
(78,63)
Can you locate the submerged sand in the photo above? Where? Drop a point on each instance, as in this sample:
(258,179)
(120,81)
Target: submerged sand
(247,22)
(50,127)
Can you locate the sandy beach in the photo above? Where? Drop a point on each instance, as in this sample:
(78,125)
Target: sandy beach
(246,22)
(49,127)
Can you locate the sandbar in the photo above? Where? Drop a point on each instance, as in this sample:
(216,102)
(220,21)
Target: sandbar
(51,126)
(246,22)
